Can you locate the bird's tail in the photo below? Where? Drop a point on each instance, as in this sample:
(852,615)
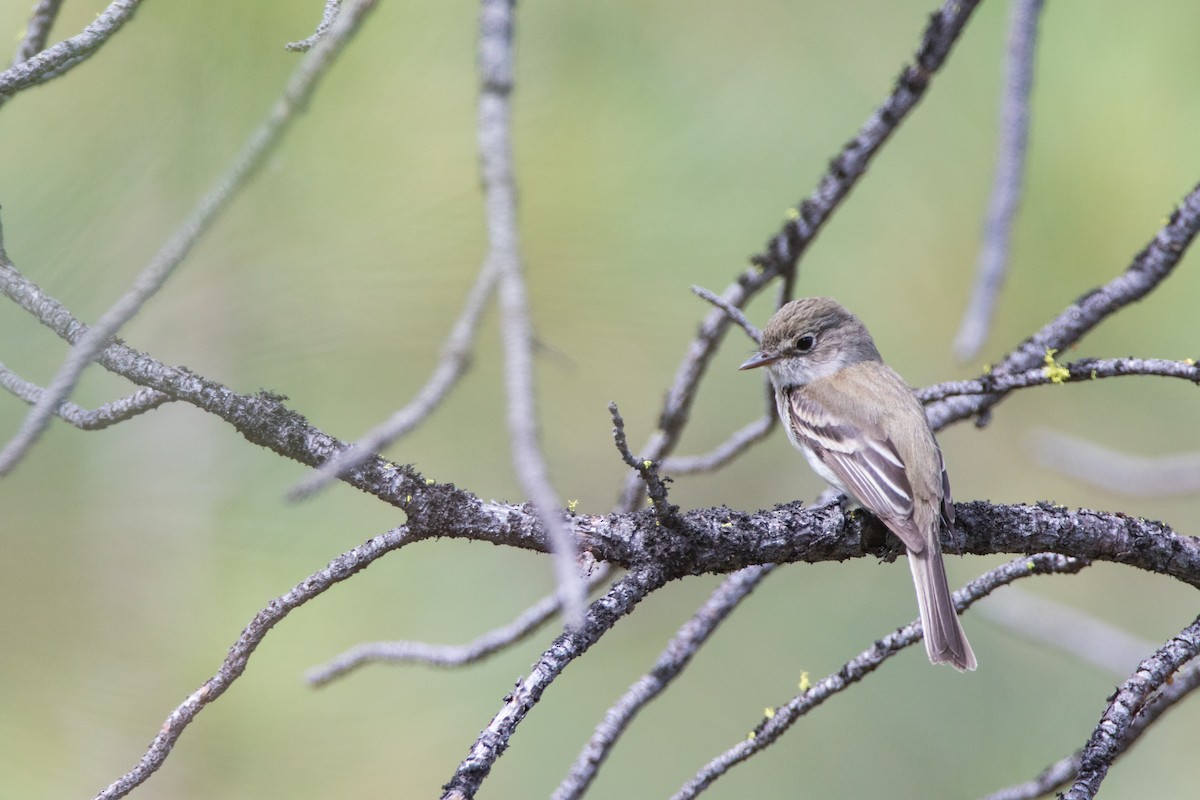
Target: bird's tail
(945,641)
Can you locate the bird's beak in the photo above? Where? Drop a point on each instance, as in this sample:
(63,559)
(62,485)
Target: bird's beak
(760,359)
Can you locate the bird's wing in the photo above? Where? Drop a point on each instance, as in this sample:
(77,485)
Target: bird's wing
(868,464)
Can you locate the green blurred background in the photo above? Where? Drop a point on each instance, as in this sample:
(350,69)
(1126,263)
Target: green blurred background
(658,145)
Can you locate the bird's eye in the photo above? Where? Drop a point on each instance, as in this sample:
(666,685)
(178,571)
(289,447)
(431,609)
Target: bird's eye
(805,343)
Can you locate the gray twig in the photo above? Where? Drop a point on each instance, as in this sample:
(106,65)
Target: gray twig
(732,311)
(670,664)
(295,98)
(647,470)
(1010,174)
(1114,733)
(408,652)
(601,615)
(725,452)
(500,206)
(1149,268)
(37,32)
(328,15)
(995,385)
(139,402)
(56,61)
(775,725)
(338,570)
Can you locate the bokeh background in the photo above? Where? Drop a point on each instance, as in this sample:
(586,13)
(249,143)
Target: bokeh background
(658,145)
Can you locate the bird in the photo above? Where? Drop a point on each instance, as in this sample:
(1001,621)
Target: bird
(862,429)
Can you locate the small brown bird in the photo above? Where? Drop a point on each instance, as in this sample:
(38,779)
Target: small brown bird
(863,430)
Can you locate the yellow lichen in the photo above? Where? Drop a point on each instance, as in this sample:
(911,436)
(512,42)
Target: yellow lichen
(1054,372)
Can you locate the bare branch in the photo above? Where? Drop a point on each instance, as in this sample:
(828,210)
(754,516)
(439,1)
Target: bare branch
(500,207)
(38,30)
(572,643)
(1115,471)
(670,664)
(1112,735)
(733,312)
(59,59)
(295,98)
(728,450)
(775,725)
(995,385)
(703,542)
(784,249)
(646,470)
(338,570)
(139,402)
(1010,175)
(453,363)
(1149,268)
(332,7)
(1062,772)
(491,642)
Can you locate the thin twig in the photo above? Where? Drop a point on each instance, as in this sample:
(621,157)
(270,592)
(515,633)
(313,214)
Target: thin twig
(139,402)
(328,15)
(784,249)
(732,311)
(37,32)
(453,363)
(1062,772)
(295,98)
(408,652)
(235,662)
(500,207)
(600,617)
(56,61)
(646,470)
(1149,268)
(1007,183)
(670,664)
(775,725)
(1112,735)
(725,452)
(995,385)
